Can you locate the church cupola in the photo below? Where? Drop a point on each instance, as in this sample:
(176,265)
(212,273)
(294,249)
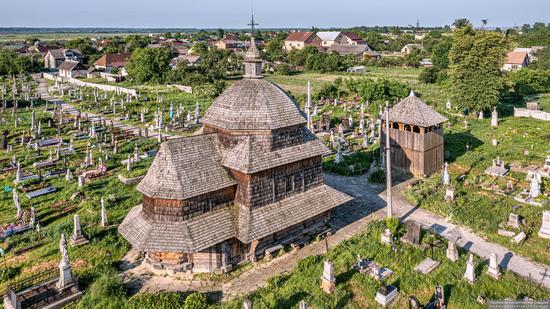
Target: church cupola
(252,61)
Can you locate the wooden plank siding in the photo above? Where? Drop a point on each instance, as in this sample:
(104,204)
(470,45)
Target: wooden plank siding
(419,153)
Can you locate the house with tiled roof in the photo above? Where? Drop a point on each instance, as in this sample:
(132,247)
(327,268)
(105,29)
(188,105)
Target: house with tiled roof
(108,62)
(516,60)
(350,38)
(250,182)
(299,40)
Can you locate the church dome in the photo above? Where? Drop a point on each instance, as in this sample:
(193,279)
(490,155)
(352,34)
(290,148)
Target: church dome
(253,104)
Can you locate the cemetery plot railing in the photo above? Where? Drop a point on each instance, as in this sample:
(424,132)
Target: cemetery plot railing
(32,280)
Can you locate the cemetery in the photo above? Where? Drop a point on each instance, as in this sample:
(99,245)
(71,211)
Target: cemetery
(494,185)
(67,171)
(202,188)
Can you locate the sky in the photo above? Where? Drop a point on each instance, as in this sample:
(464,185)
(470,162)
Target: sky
(269,14)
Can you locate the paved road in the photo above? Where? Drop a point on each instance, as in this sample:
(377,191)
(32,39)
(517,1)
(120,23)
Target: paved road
(42,90)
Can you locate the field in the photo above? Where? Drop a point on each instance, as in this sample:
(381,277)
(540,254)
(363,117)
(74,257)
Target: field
(297,83)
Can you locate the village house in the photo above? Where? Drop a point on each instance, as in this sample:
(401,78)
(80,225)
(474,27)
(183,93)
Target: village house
(416,137)
(108,62)
(250,182)
(41,49)
(408,48)
(516,61)
(358,51)
(55,57)
(299,40)
(329,38)
(350,38)
(72,69)
(189,60)
(230,42)
(531,51)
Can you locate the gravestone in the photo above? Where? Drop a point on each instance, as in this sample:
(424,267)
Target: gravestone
(77,238)
(449,194)
(513,221)
(413,233)
(386,294)
(328,282)
(493,269)
(414,303)
(303,305)
(452,251)
(439,298)
(386,237)
(519,238)
(427,266)
(470,275)
(446,176)
(247,304)
(535,187)
(544,231)
(494,118)
(65,274)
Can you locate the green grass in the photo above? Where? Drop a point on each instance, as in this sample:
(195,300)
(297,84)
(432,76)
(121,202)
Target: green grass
(297,83)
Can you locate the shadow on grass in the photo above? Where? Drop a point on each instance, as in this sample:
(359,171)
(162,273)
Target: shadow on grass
(293,300)
(456,143)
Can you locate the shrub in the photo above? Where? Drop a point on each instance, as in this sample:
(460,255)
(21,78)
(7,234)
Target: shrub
(8,273)
(161,300)
(106,292)
(283,69)
(196,301)
(428,75)
(377,176)
(392,223)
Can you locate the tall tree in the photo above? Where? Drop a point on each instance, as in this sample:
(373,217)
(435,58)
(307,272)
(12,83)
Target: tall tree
(461,23)
(149,65)
(476,59)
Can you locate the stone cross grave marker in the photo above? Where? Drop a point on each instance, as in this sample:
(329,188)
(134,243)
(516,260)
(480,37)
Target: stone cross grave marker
(544,231)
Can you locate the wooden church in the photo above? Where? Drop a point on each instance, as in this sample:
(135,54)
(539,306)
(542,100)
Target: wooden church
(249,181)
(416,137)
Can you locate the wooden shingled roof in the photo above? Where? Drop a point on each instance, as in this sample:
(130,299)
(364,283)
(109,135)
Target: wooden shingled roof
(249,157)
(263,221)
(253,104)
(187,236)
(186,167)
(211,228)
(413,111)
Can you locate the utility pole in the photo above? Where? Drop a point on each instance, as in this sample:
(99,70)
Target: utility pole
(388,163)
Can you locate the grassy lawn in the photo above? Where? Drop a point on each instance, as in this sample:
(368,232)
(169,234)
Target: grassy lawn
(480,209)
(297,83)
(544,101)
(355,290)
